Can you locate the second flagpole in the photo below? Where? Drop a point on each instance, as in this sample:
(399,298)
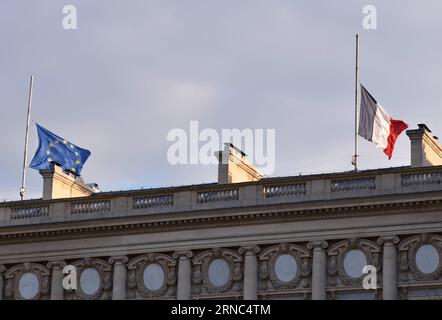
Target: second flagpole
(25,155)
(355,156)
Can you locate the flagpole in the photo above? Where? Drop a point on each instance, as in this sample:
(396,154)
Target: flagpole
(355,156)
(25,155)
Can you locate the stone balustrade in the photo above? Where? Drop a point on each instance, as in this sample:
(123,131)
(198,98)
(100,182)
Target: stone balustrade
(350,185)
(323,187)
(287,190)
(90,206)
(425,178)
(218,195)
(153,201)
(29,212)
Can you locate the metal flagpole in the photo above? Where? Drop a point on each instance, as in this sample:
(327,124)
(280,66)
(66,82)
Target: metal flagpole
(25,155)
(355,156)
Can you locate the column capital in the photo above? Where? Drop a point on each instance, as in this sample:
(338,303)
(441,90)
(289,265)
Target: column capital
(118,259)
(60,264)
(249,250)
(183,253)
(2,268)
(388,240)
(320,244)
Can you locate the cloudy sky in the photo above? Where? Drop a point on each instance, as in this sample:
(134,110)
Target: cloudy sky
(134,70)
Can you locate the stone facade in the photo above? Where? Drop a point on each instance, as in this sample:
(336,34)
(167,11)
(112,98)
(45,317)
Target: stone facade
(303,237)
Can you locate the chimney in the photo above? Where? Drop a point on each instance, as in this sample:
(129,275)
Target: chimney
(425,148)
(59,184)
(233,166)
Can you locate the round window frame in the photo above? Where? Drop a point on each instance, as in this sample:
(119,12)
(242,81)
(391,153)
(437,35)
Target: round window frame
(413,262)
(17,284)
(343,275)
(142,286)
(164,276)
(99,291)
(279,284)
(211,286)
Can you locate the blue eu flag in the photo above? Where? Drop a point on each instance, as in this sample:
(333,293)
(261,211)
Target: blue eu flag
(55,150)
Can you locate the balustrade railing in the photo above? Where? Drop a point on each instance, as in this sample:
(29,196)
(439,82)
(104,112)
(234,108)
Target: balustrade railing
(153,201)
(351,185)
(217,195)
(90,206)
(284,190)
(29,212)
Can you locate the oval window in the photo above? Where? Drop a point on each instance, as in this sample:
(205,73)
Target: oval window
(29,285)
(153,276)
(90,281)
(427,258)
(219,272)
(286,267)
(354,262)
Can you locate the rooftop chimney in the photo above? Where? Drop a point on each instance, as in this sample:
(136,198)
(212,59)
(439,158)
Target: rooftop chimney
(59,184)
(233,166)
(425,148)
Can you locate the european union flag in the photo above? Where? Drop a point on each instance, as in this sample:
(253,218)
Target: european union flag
(55,150)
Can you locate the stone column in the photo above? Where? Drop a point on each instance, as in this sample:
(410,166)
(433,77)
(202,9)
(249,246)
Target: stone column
(57,291)
(184,274)
(389,267)
(119,280)
(2,286)
(250,272)
(319,269)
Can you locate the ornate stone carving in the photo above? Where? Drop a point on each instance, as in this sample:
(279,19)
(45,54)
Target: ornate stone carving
(183,253)
(407,253)
(336,254)
(202,263)
(13,275)
(267,273)
(135,280)
(104,270)
(116,259)
(249,249)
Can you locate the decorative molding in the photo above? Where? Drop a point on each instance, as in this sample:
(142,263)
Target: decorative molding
(183,253)
(317,244)
(336,255)
(388,240)
(267,260)
(201,263)
(407,257)
(13,275)
(56,264)
(104,269)
(225,221)
(249,250)
(118,259)
(135,279)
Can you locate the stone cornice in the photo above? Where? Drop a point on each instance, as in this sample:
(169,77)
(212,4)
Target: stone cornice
(121,227)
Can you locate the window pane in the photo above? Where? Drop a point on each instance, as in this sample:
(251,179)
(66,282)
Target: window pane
(90,281)
(427,258)
(286,267)
(29,285)
(219,272)
(153,276)
(354,262)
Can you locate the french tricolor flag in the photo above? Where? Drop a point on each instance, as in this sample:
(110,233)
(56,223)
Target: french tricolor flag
(376,125)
